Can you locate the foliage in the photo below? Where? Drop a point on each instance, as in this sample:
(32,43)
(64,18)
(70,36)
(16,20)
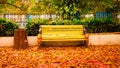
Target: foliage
(103,25)
(7,28)
(92,25)
(17,6)
(66,8)
(60,22)
(61,57)
(33,26)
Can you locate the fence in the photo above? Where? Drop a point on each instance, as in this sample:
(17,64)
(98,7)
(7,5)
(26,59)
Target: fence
(102,14)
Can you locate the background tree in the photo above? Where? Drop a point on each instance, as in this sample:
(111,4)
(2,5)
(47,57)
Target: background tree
(65,8)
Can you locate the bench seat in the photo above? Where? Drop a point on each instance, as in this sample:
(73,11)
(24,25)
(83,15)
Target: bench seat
(62,33)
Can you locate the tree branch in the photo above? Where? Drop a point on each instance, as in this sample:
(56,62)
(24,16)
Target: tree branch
(15,6)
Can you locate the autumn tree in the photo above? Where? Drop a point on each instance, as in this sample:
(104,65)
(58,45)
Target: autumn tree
(65,8)
(16,6)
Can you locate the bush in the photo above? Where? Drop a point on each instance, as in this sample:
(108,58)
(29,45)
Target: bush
(32,26)
(7,28)
(92,25)
(103,25)
(60,22)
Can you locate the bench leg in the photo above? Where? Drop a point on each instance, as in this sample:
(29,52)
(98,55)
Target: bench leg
(39,42)
(39,38)
(87,39)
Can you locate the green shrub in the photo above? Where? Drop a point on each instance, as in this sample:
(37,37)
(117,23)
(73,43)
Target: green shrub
(33,30)
(66,22)
(103,25)
(92,25)
(60,22)
(32,26)
(7,28)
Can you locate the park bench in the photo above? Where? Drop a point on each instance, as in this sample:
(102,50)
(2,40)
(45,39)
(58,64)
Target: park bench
(62,35)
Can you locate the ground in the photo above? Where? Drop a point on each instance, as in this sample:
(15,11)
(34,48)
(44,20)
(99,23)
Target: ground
(61,57)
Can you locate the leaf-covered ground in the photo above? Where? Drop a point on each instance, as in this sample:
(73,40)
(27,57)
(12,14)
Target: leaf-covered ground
(61,57)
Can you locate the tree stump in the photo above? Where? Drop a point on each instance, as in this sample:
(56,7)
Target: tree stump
(20,39)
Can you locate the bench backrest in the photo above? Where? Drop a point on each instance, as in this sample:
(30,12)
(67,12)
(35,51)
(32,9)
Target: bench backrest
(62,31)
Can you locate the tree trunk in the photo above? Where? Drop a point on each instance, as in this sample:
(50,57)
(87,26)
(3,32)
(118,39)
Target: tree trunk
(20,39)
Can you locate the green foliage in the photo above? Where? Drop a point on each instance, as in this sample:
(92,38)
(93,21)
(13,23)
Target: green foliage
(92,25)
(103,25)
(33,26)
(7,28)
(10,1)
(60,22)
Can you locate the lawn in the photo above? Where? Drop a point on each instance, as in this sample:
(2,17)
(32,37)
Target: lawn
(61,57)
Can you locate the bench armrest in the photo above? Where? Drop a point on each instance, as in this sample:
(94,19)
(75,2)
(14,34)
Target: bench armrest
(40,30)
(85,31)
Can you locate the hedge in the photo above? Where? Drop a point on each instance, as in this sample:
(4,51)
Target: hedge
(7,27)
(103,25)
(92,25)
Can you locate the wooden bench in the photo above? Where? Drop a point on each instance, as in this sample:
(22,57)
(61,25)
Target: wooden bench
(61,35)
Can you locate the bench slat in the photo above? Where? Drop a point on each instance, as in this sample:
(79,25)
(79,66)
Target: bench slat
(63,37)
(62,33)
(65,40)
